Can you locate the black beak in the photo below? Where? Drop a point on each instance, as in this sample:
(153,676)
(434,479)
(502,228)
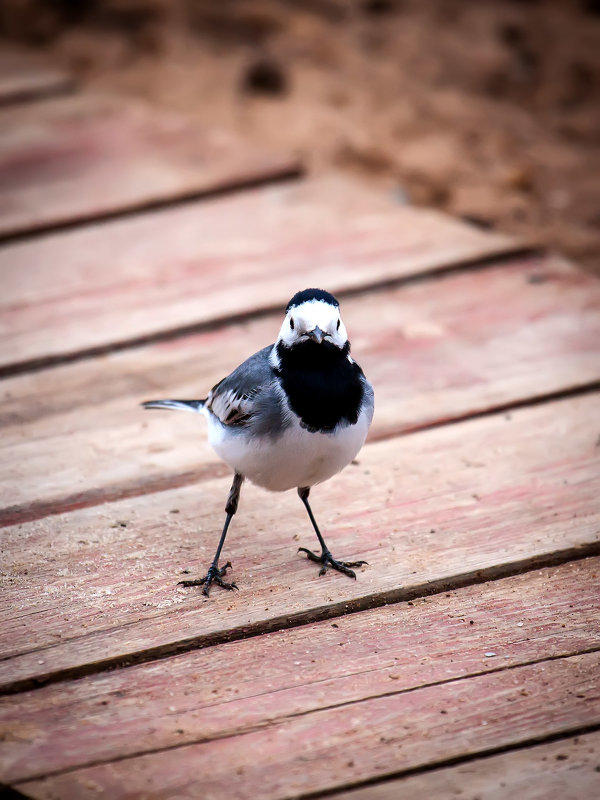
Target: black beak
(316,335)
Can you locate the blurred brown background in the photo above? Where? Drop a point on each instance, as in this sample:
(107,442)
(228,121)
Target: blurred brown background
(489,111)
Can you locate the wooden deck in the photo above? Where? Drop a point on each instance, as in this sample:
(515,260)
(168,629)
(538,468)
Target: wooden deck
(144,257)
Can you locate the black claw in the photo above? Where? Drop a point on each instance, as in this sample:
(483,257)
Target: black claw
(214,575)
(327,560)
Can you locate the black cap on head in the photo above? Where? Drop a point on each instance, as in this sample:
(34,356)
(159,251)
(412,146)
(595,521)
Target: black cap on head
(311,294)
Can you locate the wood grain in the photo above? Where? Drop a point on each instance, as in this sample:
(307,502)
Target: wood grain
(83,157)
(343,745)
(109,284)
(567,769)
(239,686)
(74,436)
(25,76)
(442,507)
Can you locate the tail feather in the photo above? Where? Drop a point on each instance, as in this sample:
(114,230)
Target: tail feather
(178,405)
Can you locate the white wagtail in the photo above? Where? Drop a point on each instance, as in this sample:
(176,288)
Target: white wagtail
(291,416)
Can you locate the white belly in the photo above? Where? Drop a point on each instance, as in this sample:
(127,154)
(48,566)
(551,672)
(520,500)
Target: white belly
(296,458)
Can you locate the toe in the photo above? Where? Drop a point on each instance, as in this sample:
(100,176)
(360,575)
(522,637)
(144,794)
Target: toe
(224,585)
(310,555)
(343,568)
(212,576)
(327,560)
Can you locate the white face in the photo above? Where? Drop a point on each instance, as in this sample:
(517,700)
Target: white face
(314,319)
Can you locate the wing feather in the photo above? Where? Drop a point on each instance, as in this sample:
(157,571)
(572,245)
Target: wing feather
(234,400)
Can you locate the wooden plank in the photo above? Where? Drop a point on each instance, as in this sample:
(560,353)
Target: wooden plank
(192,265)
(443,507)
(340,746)
(82,157)
(438,350)
(567,769)
(26,76)
(239,686)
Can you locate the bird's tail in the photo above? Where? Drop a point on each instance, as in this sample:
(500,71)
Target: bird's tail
(178,405)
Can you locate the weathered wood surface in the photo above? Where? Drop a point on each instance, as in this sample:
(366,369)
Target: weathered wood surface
(435,351)
(338,746)
(440,507)
(191,265)
(563,770)
(24,76)
(78,158)
(239,686)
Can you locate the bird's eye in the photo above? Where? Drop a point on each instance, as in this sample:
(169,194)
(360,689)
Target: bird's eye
(337,327)
(292,323)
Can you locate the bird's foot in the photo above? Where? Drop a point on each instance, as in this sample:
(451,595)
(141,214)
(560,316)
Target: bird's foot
(214,575)
(327,560)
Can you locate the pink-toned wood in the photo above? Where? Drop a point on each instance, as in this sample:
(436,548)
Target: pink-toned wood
(436,350)
(340,746)
(567,769)
(206,261)
(238,686)
(438,507)
(26,76)
(85,156)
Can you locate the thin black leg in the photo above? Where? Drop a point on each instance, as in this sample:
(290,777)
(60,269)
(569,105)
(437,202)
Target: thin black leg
(325,559)
(214,574)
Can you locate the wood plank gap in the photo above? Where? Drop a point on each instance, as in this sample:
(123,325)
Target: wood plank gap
(10,793)
(512,251)
(19,514)
(576,390)
(534,741)
(27,77)
(228,187)
(333,611)
(272,722)
(28,95)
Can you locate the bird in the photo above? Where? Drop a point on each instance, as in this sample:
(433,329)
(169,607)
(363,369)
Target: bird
(289,417)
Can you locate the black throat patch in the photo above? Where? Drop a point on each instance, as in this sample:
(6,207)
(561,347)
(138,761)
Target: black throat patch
(322,386)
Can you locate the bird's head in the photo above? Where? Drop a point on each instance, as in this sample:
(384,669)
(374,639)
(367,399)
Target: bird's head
(313,315)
